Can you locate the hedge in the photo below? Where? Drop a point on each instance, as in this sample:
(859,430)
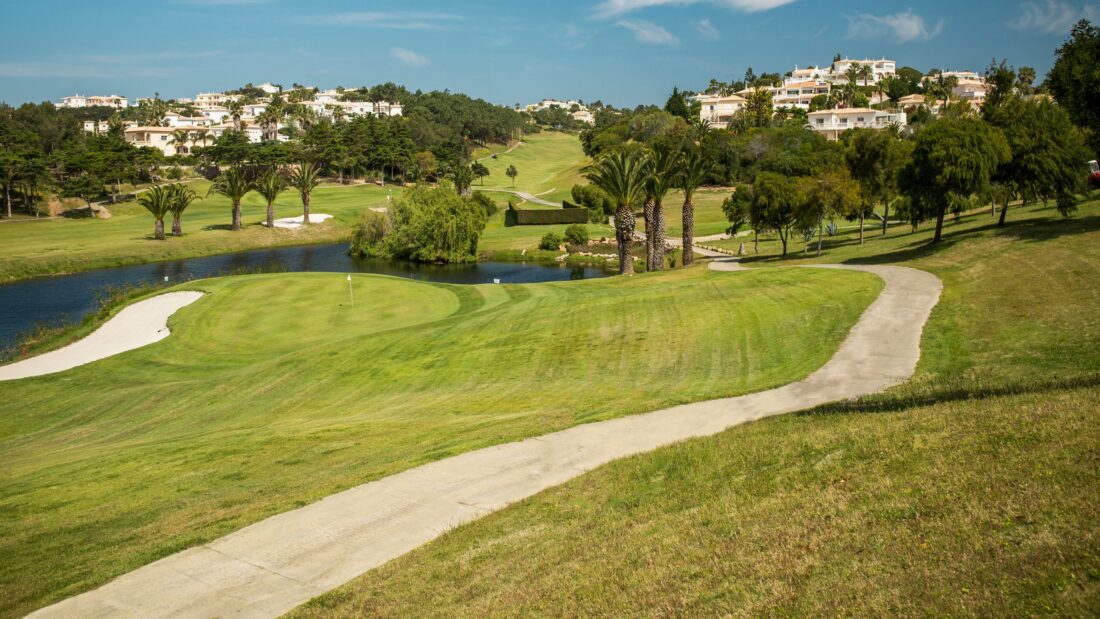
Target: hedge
(542,217)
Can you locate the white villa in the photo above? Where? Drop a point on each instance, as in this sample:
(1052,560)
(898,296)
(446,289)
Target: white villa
(719,111)
(879,69)
(831,123)
(76,101)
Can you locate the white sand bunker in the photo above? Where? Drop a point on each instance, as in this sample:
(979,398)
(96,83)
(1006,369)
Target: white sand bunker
(135,326)
(293,223)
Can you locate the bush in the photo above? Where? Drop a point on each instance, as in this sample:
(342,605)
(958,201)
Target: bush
(599,204)
(550,241)
(576,234)
(369,235)
(542,217)
(482,199)
(423,225)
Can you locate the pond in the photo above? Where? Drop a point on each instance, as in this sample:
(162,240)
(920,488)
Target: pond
(68,298)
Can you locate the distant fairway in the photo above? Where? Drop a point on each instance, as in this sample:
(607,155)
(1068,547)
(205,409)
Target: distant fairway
(545,161)
(272,392)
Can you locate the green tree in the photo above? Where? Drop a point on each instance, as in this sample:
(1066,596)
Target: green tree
(305,178)
(694,169)
(512,173)
(480,171)
(158,201)
(833,192)
(780,204)
(737,208)
(181,196)
(1047,151)
(433,225)
(179,139)
(623,176)
(1075,81)
(952,158)
(234,185)
(463,177)
(269,185)
(677,105)
(869,160)
(84,186)
(236,111)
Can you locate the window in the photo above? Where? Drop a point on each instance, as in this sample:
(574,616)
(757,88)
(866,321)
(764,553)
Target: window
(163,138)
(821,121)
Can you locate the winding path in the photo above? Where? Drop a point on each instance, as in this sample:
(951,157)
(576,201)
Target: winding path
(276,564)
(134,326)
(526,196)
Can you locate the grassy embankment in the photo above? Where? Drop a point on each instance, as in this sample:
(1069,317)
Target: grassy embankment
(47,246)
(272,392)
(972,490)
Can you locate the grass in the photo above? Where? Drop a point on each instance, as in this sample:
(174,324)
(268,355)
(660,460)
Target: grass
(549,164)
(972,490)
(48,246)
(272,393)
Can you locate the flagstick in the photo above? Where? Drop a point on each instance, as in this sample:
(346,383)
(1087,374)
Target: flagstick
(351,293)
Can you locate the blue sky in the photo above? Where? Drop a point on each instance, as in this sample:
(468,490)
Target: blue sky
(623,52)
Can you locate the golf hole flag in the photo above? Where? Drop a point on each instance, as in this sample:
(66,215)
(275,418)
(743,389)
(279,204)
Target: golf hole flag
(351,295)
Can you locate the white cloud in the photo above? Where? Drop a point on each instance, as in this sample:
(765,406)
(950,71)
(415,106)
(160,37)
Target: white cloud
(1053,16)
(904,27)
(409,57)
(707,30)
(615,8)
(647,32)
(393,20)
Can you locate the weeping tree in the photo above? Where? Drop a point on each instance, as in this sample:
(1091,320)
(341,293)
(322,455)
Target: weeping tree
(623,177)
(234,185)
(305,179)
(182,197)
(693,171)
(662,178)
(158,201)
(269,185)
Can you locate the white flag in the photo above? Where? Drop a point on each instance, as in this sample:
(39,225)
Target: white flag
(349,277)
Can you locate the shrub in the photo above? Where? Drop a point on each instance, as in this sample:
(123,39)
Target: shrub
(550,241)
(423,225)
(482,199)
(599,204)
(541,217)
(576,234)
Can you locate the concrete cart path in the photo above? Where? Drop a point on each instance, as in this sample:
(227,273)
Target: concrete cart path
(276,564)
(134,326)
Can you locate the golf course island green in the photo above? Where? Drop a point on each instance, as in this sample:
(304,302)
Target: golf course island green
(273,391)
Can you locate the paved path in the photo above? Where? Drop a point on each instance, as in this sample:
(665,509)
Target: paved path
(134,326)
(526,196)
(276,564)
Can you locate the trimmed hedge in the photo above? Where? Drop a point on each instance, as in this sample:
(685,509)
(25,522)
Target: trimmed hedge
(543,217)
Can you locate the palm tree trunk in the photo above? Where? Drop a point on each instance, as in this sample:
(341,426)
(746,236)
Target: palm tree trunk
(158,231)
(647,212)
(658,238)
(270,215)
(177,226)
(236,215)
(689,233)
(305,208)
(624,234)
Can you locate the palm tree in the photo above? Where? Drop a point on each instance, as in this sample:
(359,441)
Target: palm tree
(694,170)
(182,197)
(623,176)
(234,185)
(157,201)
(269,185)
(662,178)
(305,179)
(866,73)
(179,139)
(236,110)
(512,173)
(200,136)
(269,123)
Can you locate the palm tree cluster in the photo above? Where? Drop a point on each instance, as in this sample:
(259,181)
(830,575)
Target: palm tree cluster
(236,182)
(162,200)
(633,177)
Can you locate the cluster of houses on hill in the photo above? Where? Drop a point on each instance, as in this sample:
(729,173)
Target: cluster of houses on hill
(802,85)
(577,109)
(214,113)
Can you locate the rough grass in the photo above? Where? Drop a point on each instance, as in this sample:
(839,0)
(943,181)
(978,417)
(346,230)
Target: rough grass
(970,491)
(272,393)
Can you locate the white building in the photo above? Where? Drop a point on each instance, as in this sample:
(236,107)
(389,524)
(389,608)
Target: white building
(794,94)
(831,123)
(584,116)
(879,69)
(719,111)
(270,88)
(155,137)
(77,101)
(213,99)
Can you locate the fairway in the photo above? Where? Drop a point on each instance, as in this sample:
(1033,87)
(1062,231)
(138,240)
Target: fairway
(971,490)
(272,393)
(549,164)
(40,247)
